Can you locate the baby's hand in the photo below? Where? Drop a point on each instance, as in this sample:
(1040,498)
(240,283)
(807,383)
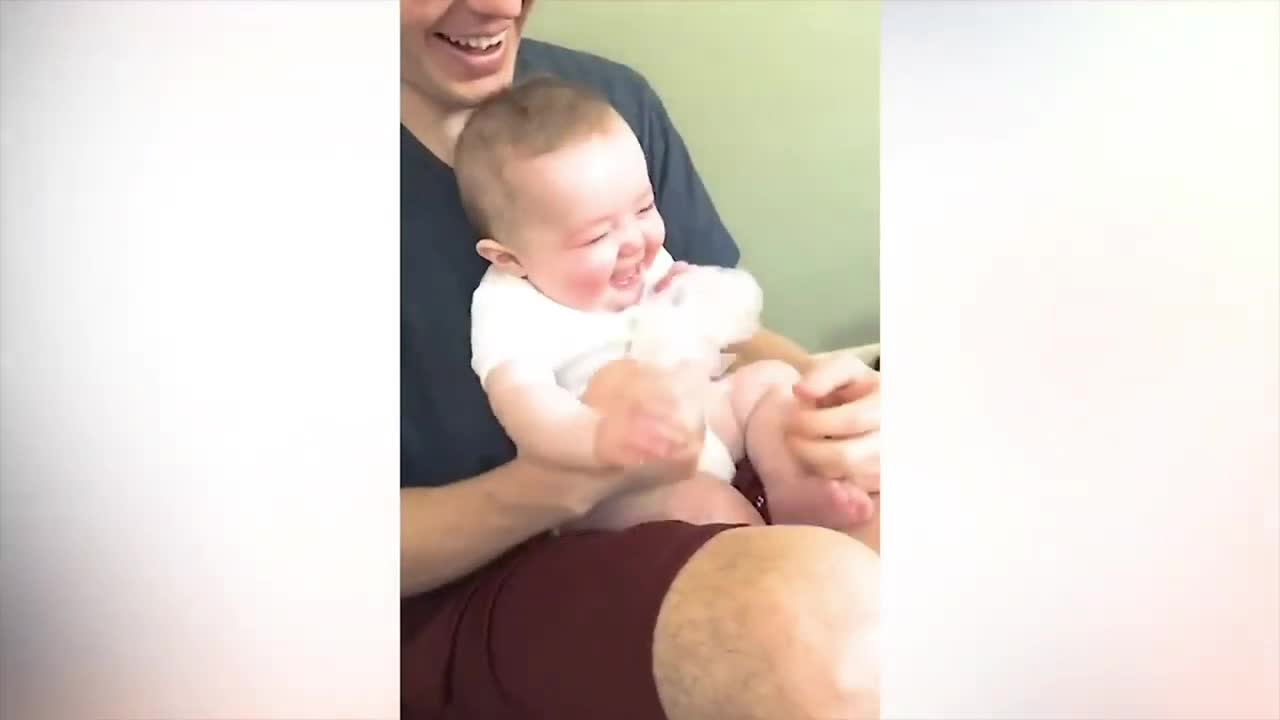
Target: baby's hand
(678,269)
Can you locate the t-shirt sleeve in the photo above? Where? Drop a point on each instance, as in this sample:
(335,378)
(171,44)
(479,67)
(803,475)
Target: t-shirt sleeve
(695,232)
(502,330)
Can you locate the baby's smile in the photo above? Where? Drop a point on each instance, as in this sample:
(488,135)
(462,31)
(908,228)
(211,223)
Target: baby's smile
(625,278)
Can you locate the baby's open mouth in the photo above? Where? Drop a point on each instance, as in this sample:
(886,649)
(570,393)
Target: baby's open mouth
(625,279)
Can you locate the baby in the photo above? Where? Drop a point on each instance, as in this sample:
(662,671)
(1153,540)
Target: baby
(556,184)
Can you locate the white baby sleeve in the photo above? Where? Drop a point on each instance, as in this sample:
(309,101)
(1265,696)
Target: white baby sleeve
(502,329)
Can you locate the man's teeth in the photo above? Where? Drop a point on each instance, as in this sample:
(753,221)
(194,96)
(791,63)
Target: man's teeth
(477,42)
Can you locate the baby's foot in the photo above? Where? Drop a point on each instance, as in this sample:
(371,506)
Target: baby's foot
(850,501)
(814,500)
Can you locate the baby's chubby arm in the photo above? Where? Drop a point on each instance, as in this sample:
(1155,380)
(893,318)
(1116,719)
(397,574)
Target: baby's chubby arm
(543,419)
(637,425)
(515,352)
(508,343)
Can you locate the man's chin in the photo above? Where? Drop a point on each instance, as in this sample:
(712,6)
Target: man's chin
(457,93)
(463,96)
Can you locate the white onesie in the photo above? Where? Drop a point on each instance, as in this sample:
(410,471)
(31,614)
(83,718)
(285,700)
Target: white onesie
(511,321)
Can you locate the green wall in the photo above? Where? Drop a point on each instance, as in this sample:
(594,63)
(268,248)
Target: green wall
(779,103)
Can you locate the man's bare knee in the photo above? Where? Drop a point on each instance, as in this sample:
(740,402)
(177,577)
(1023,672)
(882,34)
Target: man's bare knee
(772,622)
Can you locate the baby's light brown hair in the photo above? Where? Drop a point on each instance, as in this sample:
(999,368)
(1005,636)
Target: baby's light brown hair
(532,118)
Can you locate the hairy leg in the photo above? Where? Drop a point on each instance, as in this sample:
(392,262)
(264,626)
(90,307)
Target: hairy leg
(772,622)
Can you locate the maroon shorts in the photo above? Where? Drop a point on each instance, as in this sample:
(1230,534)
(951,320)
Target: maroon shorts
(560,628)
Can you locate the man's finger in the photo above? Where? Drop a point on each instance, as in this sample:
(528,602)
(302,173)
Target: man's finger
(842,421)
(857,459)
(652,444)
(831,373)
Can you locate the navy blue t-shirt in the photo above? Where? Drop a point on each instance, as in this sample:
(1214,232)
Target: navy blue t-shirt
(447,430)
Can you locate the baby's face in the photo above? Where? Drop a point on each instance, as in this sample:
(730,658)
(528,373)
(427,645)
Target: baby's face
(585,227)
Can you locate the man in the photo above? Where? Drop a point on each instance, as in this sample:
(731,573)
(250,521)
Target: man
(665,620)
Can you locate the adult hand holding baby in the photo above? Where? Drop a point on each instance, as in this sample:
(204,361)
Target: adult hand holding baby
(643,422)
(836,426)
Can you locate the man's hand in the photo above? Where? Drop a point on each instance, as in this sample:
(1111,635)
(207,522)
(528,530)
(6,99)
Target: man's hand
(836,428)
(644,423)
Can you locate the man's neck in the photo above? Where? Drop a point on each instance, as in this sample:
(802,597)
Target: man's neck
(436,129)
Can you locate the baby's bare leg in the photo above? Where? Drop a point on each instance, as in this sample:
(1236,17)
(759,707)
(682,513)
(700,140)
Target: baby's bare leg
(761,400)
(723,419)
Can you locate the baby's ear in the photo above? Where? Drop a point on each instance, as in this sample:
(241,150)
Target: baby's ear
(500,257)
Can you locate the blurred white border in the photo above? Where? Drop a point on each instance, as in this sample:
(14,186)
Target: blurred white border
(198,342)
(1079,277)
(199,221)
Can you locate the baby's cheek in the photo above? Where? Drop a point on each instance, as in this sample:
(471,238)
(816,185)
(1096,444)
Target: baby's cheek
(651,252)
(587,283)
(654,236)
